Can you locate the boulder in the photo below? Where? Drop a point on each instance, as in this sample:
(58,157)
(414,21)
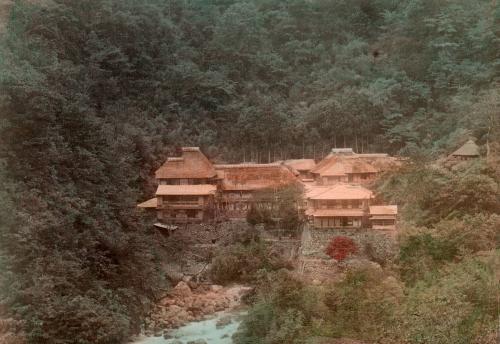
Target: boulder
(181,290)
(224,321)
(197,341)
(216,288)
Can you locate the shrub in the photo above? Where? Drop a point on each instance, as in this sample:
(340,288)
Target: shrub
(424,253)
(282,313)
(340,247)
(353,302)
(240,262)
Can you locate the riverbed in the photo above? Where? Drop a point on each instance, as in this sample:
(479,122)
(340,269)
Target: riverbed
(204,329)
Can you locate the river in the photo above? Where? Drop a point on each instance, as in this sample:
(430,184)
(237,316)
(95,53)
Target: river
(204,329)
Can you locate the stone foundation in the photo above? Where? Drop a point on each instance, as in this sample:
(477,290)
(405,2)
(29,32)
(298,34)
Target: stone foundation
(315,241)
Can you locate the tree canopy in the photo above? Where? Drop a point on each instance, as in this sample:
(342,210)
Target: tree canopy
(96,93)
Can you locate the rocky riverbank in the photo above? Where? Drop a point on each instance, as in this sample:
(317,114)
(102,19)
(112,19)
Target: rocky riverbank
(187,303)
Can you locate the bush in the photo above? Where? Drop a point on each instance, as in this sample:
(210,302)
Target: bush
(422,254)
(281,316)
(341,247)
(240,263)
(458,306)
(364,304)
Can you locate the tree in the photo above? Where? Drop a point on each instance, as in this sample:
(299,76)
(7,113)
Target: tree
(341,247)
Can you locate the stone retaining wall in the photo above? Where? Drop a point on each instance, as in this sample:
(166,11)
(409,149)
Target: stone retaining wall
(369,242)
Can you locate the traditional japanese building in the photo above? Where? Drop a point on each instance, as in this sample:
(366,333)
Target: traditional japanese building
(338,206)
(383,216)
(343,170)
(191,189)
(302,167)
(466,152)
(239,182)
(186,189)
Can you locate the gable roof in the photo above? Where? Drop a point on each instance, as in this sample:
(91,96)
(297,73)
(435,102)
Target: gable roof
(301,164)
(383,210)
(150,203)
(336,166)
(192,164)
(254,176)
(468,149)
(186,190)
(338,192)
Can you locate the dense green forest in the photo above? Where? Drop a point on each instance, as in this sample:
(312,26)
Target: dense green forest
(441,286)
(96,93)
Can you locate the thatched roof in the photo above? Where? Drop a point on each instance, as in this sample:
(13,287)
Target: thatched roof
(468,149)
(254,176)
(192,164)
(301,164)
(336,166)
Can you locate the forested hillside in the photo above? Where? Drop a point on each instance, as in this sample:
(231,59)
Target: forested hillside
(95,93)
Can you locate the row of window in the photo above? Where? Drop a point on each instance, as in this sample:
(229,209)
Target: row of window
(330,222)
(339,204)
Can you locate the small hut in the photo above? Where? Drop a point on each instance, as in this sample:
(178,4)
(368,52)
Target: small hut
(468,151)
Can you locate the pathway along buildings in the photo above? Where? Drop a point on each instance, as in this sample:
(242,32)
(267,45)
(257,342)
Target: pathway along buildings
(191,189)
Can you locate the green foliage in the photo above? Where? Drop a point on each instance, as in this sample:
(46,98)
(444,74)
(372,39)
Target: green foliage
(281,315)
(364,304)
(459,306)
(422,254)
(282,212)
(95,94)
(431,194)
(242,262)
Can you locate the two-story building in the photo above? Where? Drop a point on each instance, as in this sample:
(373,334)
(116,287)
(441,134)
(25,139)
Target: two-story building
(337,169)
(239,182)
(338,206)
(191,189)
(186,189)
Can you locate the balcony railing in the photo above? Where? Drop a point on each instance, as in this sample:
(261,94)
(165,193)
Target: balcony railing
(182,205)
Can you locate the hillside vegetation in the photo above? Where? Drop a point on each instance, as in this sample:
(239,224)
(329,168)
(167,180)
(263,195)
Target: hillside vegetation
(96,93)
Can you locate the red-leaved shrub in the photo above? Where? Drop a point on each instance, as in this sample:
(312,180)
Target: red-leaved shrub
(340,247)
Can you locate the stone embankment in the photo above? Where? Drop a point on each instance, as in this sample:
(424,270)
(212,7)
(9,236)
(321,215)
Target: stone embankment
(185,303)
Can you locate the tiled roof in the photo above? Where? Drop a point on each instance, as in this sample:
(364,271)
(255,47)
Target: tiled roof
(254,176)
(192,164)
(150,203)
(337,212)
(468,149)
(383,210)
(301,164)
(186,190)
(338,191)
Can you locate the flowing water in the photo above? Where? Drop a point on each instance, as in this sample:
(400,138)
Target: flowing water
(205,329)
